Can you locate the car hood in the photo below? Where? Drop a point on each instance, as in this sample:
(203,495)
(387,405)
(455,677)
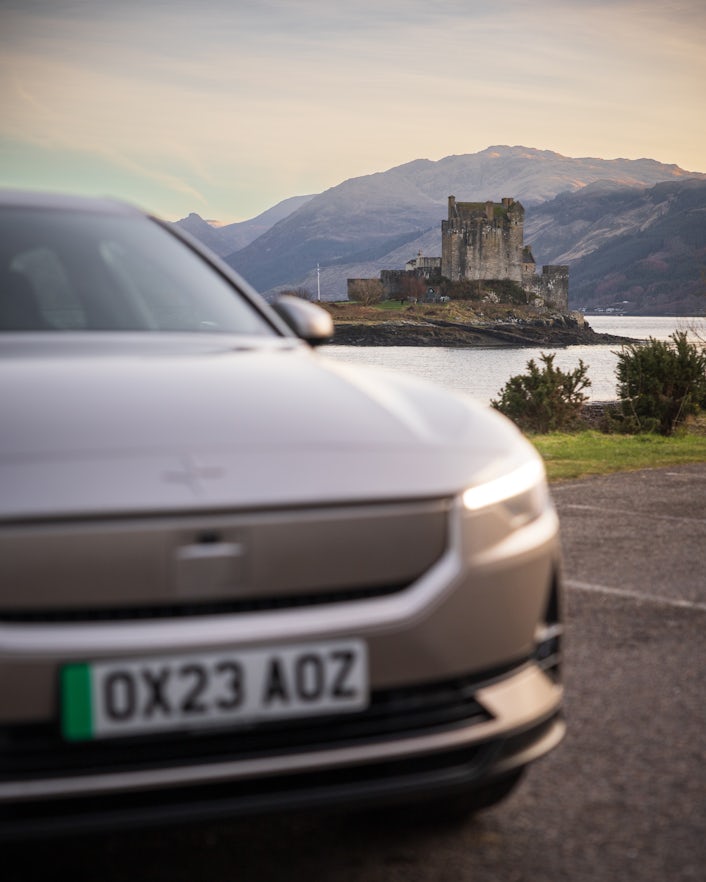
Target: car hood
(153,423)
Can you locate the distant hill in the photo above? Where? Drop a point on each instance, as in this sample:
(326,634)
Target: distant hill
(363,220)
(206,233)
(232,237)
(643,251)
(616,222)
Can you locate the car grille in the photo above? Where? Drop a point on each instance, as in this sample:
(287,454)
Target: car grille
(39,751)
(172,567)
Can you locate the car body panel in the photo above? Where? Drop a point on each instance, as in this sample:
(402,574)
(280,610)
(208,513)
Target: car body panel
(168,494)
(162,431)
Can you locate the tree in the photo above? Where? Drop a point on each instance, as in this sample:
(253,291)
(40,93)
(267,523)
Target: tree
(365,291)
(544,399)
(660,383)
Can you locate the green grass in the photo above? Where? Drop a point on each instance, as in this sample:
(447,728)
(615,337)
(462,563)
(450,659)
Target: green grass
(593,453)
(390,305)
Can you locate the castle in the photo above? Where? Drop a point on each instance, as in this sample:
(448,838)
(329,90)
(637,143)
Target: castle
(484,241)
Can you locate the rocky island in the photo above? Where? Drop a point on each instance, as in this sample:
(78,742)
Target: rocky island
(458,324)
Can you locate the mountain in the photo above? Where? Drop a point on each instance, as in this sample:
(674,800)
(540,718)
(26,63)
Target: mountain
(358,220)
(361,225)
(206,233)
(643,251)
(232,237)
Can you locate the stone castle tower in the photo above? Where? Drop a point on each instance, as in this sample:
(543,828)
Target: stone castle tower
(484,241)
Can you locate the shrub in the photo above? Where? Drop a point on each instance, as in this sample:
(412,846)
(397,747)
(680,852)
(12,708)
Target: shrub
(660,384)
(365,291)
(544,399)
(505,290)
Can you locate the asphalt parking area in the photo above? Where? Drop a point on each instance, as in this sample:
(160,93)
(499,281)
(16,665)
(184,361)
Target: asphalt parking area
(640,534)
(635,573)
(623,798)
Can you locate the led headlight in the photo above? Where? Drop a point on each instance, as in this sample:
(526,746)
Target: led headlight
(522,492)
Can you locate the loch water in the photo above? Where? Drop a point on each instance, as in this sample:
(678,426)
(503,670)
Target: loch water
(482,372)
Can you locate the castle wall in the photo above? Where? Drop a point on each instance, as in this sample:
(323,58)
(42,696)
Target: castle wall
(392,280)
(552,286)
(450,252)
(483,240)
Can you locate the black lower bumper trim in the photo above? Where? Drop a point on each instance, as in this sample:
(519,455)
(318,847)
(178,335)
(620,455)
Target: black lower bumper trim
(432,775)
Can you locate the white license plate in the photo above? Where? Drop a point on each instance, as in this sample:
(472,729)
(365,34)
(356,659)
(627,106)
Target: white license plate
(157,694)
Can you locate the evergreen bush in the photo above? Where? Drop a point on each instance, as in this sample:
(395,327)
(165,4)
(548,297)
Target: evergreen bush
(545,399)
(660,384)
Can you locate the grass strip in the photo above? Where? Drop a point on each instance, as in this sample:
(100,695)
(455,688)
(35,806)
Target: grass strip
(568,456)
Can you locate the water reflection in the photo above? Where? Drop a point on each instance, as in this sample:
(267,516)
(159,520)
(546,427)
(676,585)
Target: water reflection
(483,372)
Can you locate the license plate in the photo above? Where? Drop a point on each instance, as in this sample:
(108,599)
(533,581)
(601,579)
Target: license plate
(157,694)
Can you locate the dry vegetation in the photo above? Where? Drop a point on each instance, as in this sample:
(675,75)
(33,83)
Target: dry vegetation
(461,311)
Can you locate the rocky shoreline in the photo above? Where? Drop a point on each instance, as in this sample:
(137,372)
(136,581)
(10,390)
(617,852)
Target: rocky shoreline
(558,331)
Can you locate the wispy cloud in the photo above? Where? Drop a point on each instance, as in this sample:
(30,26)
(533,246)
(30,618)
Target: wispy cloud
(223,100)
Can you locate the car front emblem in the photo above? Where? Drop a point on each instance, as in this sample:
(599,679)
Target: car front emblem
(192,474)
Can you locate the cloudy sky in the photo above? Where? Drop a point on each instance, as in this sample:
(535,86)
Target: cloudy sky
(226,107)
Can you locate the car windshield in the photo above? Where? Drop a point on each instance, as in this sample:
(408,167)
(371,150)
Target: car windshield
(68,270)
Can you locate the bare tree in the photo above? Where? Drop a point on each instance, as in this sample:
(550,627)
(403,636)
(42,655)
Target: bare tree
(365,291)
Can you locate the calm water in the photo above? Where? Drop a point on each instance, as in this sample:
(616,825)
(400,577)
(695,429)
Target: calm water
(483,372)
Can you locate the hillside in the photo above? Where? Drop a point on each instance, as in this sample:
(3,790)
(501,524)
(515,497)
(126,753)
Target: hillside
(226,239)
(644,246)
(363,224)
(630,230)
(642,251)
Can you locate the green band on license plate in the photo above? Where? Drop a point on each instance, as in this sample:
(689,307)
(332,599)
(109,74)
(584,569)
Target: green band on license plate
(77,717)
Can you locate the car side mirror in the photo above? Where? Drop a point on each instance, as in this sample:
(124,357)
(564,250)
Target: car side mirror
(307,320)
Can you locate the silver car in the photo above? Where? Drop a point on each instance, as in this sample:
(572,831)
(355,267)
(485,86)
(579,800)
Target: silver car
(236,576)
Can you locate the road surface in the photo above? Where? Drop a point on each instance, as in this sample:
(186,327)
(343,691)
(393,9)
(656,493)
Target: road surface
(623,798)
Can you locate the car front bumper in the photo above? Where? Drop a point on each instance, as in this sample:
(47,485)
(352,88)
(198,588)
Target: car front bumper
(465,688)
(523,723)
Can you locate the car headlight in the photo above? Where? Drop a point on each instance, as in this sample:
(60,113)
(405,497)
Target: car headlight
(522,493)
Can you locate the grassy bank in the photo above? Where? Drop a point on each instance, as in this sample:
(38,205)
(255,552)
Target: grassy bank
(463,311)
(593,453)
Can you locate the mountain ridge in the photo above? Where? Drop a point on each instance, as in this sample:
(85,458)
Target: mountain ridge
(226,239)
(381,220)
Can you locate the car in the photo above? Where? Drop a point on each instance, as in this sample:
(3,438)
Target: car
(237,576)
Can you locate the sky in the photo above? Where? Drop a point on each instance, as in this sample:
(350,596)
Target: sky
(226,107)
